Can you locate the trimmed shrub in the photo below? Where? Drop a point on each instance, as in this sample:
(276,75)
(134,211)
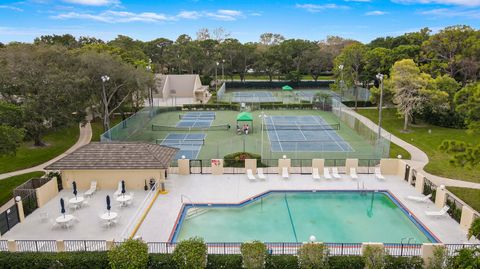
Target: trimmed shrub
(281,262)
(439,259)
(224,261)
(222,106)
(374,257)
(392,262)
(253,255)
(313,255)
(74,260)
(346,262)
(465,259)
(191,254)
(162,261)
(237,159)
(359,103)
(128,255)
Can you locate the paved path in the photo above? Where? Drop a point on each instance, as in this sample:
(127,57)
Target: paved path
(418,158)
(83,139)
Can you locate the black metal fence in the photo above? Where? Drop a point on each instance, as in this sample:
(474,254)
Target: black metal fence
(36,245)
(8,219)
(85,245)
(403,250)
(429,188)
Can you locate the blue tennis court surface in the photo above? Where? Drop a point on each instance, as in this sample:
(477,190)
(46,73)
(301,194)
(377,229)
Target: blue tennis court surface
(196,120)
(303,134)
(189,144)
(253,97)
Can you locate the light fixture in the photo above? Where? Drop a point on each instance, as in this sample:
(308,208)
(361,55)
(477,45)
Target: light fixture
(312,238)
(183,156)
(399,156)
(284,156)
(105,78)
(18,198)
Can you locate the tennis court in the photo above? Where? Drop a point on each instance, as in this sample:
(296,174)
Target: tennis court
(253,97)
(304,134)
(189,144)
(196,120)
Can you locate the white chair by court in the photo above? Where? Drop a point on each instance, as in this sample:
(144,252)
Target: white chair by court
(92,190)
(378,174)
(335,172)
(421,199)
(285,173)
(260,174)
(250,175)
(438,213)
(353,173)
(315,173)
(326,173)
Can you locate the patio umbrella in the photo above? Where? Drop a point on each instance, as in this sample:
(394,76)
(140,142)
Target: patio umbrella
(108,204)
(74,188)
(62,206)
(123,186)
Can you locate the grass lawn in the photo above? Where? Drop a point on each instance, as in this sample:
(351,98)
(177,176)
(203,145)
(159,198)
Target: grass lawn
(429,142)
(469,196)
(27,156)
(97,127)
(8,184)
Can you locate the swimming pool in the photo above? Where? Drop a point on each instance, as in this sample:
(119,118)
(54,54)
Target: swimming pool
(293,216)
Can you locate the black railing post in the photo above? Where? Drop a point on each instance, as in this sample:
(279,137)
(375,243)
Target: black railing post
(341,250)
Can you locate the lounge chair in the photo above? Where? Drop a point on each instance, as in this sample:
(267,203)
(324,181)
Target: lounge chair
(439,213)
(326,173)
(378,174)
(119,189)
(335,172)
(315,173)
(353,173)
(285,172)
(260,174)
(92,190)
(419,198)
(250,174)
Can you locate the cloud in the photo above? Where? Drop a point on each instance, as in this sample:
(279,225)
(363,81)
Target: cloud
(376,13)
(111,16)
(467,3)
(10,7)
(453,12)
(317,8)
(93,2)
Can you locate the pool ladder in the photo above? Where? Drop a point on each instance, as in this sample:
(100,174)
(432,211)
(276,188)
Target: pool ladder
(408,240)
(194,210)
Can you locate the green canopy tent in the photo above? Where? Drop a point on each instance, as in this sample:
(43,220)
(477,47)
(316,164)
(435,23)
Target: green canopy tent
(245,117)
(287,88)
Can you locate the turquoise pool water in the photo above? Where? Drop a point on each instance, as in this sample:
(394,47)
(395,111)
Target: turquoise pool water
(334,217)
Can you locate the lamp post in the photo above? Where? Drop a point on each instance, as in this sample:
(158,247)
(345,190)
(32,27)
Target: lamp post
(216,80)
(340,67)
(262,117)
(105,78)
(380,78)
(150,92)
(223,73)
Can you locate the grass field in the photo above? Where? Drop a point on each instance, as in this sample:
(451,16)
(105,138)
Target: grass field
(222,142)
(27,155)
(420,136)
(8,184)
(97,127)
(469,196)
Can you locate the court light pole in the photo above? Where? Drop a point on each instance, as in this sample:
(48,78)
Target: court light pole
(105,78)
(340,67)
(150,92)
(262,117)
(216,80)
(223,73)
(380,78)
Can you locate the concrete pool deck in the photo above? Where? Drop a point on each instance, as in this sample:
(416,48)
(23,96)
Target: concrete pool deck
(160,221)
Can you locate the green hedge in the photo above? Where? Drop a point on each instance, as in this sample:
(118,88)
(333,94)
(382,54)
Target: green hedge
(237,159)
(270,106)
(73,260)
(222,106)
(359,103)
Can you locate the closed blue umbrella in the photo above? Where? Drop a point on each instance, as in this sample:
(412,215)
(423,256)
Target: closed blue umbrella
(62,206)
(123,187)
(74,188)
(108,203)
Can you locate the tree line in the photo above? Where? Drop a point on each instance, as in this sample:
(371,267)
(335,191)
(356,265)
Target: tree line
(49,83)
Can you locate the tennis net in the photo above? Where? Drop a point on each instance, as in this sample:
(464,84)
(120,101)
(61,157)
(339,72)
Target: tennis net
(170,142)
(221,127)
(302,127)
(197,117)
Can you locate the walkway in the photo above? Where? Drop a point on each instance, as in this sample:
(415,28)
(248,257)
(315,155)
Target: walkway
(418,158)
(83,139)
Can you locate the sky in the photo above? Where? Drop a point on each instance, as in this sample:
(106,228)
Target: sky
(246,20)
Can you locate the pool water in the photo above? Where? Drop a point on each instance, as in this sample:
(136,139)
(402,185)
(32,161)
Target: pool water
(331,216)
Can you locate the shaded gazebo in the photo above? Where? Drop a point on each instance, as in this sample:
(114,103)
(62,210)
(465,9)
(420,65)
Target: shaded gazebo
(245,117)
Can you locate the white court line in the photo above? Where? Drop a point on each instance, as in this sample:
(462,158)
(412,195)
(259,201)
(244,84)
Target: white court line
(278,138)
(334,140)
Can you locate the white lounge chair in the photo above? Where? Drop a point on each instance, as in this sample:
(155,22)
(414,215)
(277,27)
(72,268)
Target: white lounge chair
(353,173)
(326,173)
(419,198)
(335,172)
(315,173)
(119,189)
(285,172)
(260,173)
(378,174)
(250,174)
(439,213)
(92,190)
